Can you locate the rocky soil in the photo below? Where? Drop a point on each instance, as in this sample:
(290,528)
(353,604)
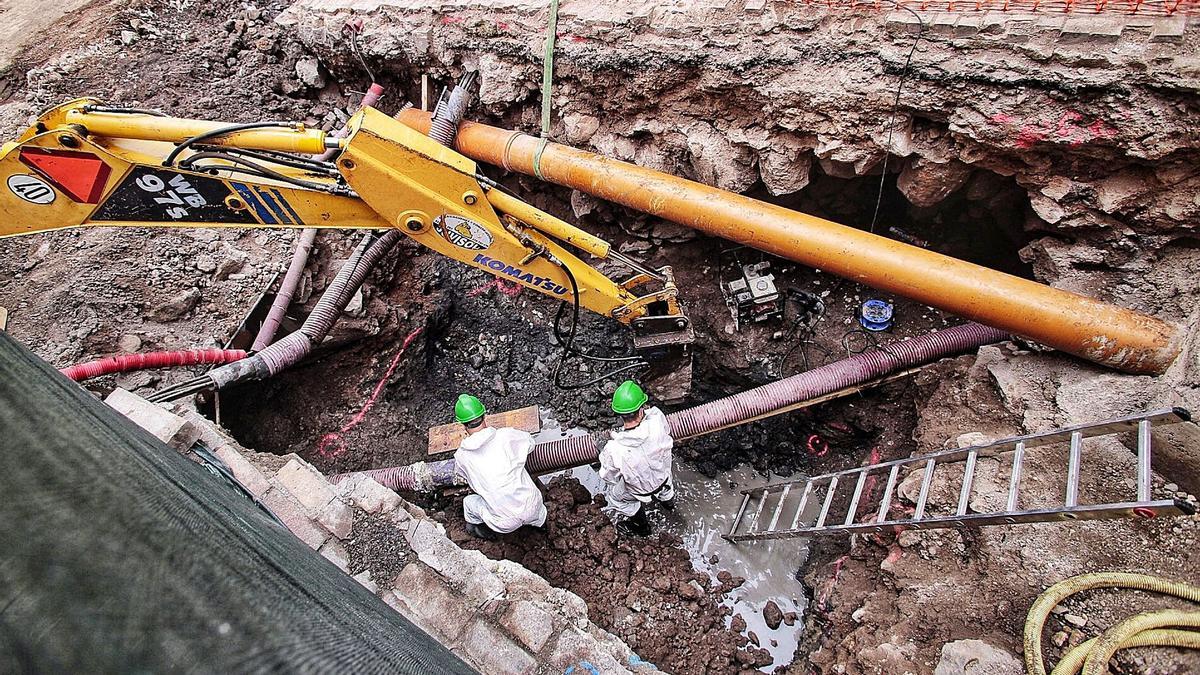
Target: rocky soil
(640,589)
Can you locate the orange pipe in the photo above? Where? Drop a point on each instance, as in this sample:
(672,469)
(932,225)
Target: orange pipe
(1105,334)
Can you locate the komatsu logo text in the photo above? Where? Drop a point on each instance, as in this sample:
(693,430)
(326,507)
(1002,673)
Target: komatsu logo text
(520,274)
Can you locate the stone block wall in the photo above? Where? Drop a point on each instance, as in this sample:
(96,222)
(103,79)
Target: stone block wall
(494,614)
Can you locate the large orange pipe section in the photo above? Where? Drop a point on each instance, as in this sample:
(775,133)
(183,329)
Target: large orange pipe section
(1108,335)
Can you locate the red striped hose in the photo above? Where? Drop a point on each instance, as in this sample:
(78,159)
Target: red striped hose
(128,362)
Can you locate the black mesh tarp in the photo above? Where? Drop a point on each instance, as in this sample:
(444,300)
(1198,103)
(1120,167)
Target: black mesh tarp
(119,555)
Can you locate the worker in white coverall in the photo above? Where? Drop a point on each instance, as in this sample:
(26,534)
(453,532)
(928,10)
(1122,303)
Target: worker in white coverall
(636,464)
(492,461)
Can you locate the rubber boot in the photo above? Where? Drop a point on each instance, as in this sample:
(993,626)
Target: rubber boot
(667,504)
(481,531)
(638,525)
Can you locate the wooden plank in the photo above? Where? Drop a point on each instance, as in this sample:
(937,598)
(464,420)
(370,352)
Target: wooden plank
(446,437)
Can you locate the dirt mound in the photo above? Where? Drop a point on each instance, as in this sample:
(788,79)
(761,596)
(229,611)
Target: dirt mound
(641,589)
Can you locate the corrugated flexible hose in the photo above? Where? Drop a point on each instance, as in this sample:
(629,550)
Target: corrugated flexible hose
(304,243)
(128,362)
(1128,633)
(729,411)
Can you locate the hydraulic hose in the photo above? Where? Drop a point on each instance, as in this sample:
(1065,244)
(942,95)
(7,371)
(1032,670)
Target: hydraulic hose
(1154,637)
(723,413)
(130,362)
(1034,663)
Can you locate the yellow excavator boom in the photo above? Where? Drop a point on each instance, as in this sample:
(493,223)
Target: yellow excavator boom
(85,164)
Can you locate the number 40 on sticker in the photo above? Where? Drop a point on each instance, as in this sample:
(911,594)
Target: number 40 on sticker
(180,193)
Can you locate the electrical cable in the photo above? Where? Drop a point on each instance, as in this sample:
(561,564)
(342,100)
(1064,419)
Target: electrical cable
(123,111)
(815,310)
(252,168)
(293,161)
(216,133)
(568,344)
(358,53)
(887,152)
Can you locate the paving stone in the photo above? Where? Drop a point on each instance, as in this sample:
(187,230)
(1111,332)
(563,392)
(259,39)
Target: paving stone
(519,581)
(338,518)
(401,518)
(395,602)
(421,589)
(210,434)
(293,516)
(567,604)
(575,646)
(336,553)
(483,587)
(424,534)
(306,484)
(364,578)
(529,623)
(372,497)
(493,652)
(163,424)
(1169,29)
(246,473)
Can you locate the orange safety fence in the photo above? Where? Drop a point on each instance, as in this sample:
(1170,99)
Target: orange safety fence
(1109,7)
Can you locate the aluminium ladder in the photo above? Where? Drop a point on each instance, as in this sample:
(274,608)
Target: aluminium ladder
(805,520)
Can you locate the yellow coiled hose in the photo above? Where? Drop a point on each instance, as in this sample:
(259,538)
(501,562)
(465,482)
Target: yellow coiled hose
(1124,634)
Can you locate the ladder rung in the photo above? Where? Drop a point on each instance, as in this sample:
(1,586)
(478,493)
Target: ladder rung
(833,482)
(741,511)
(858,488)
(1143,461)
(1014,484)
(887,493)
(1073,469)
(803,502)
(925,482)
(964,495)
(762,501)
(782,498)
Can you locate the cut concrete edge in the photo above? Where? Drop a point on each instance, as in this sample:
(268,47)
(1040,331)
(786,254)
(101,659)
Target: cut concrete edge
(496,615)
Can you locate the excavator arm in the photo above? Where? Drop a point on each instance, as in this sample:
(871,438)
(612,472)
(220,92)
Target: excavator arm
(85,164)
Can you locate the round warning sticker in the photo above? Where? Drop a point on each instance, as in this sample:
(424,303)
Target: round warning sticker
(31,188)
(463,233)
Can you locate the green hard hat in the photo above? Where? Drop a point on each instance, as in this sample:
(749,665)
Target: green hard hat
(628,398)
(468,408)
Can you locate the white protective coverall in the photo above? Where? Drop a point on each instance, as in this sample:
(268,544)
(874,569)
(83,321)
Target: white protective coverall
(493,463)
(636,466)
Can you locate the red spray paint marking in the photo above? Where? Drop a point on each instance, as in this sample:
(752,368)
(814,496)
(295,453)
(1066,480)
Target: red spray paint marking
(817,446)
(894,553)
(1069,128)
(334,438)
(837,572)
(869,484)
(509,288)
(445,19)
